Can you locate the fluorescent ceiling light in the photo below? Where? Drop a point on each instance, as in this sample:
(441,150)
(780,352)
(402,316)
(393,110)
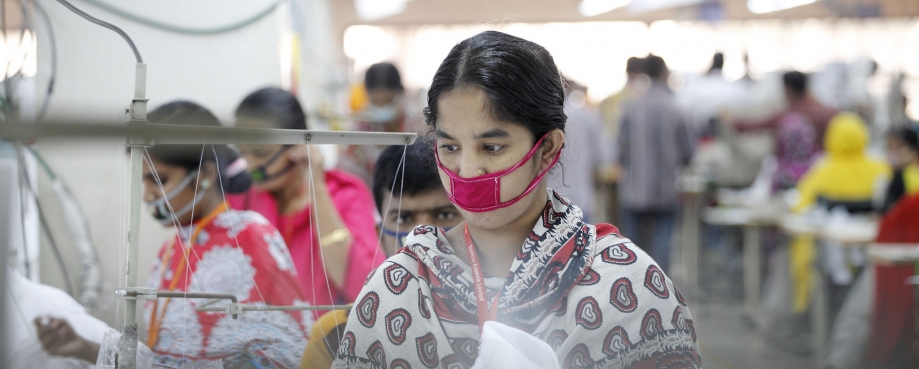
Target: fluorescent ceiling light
(645,6)
(769,6)
(371,10)
(590,8)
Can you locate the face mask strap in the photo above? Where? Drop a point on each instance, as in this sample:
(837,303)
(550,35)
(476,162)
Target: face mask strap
(530,188)
(400,236)
(160,203)
(184,210)
(260,174)
(454,176)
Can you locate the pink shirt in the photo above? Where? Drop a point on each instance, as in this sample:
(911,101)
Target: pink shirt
(355,206)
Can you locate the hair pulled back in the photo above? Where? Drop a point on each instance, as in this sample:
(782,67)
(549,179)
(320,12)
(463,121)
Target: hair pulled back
(519,77)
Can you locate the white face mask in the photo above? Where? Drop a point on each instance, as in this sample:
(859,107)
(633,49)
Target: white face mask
(381,114)
(159,208)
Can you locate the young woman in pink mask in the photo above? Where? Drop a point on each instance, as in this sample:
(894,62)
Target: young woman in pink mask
(524,257)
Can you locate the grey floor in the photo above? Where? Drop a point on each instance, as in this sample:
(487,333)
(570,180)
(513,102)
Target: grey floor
(727,339)
(728,342)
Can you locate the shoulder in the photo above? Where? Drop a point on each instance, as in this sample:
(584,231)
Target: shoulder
(635,280)
(339,180)
(243,224)
(625,310)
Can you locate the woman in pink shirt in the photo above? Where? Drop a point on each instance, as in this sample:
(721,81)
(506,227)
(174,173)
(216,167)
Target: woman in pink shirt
(309,205)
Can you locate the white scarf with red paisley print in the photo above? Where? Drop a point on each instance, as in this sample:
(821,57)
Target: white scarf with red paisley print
(597,299)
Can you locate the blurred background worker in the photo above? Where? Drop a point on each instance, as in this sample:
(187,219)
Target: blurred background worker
(382,110)
(589,153)
(654,145)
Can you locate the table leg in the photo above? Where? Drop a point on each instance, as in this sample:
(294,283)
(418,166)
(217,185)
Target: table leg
(820,311)
(689,243)
(752,261)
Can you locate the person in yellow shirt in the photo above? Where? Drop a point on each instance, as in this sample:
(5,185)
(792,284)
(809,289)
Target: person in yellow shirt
(846,175)
(404,201)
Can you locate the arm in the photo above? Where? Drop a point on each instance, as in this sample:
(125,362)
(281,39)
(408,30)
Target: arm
(622,139)
(769,124)
(807,190)
(59,339)
(335,249)
(356,206)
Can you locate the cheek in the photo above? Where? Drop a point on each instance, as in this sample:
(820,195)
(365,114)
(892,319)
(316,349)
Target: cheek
(444,180)
(513,184)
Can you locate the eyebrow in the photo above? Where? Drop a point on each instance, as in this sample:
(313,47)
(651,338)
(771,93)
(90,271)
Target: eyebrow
(443,134)
(495,133)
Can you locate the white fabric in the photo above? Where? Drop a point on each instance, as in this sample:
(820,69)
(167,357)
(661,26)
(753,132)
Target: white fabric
(503,347)
(25,301)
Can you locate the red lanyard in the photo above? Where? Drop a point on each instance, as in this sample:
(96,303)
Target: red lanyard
(478,277)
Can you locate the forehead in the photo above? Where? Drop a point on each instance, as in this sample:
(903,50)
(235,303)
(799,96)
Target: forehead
(465,112)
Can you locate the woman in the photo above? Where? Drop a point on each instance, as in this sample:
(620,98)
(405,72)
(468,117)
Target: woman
(383,110)
(215,250)
(311,207)
(524,256)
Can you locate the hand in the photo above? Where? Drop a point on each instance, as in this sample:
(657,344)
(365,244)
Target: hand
(303,154)
(59,339)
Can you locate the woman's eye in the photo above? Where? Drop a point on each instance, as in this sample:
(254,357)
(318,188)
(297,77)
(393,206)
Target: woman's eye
(449,148)
(493,148)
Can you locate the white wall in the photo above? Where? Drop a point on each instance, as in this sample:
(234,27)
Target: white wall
(96,79)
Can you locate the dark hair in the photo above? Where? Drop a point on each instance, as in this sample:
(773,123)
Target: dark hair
(383,75)
(655,67)
(276,106)
(192,156)
(796,82)
(519,77)
(717,62)
(635,65)
(421,174)
(908,135)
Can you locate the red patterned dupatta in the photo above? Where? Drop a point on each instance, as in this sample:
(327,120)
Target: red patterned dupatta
(593,296)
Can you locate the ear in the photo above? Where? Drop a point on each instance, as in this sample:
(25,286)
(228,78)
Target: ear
(553,143)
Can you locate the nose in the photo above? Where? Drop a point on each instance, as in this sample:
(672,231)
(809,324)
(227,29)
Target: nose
(150,192)
(470,165)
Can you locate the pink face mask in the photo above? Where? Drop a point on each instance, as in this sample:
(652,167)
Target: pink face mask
(483,193)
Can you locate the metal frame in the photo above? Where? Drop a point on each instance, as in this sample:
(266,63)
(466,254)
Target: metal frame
(138,135)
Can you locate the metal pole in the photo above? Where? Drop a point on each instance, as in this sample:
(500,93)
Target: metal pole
(127,347)
(6,232)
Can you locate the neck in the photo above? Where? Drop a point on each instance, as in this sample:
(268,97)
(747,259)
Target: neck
(208,203)
(504,243)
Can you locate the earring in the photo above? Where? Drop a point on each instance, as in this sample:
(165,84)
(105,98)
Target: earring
(205,184)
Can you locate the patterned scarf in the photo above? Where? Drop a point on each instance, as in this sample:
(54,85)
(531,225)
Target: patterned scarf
(418,309)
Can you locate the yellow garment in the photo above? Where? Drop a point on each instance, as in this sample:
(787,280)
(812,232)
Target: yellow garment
(318,353)
(359,98)
(846,174)
(911,179)
(802,250)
